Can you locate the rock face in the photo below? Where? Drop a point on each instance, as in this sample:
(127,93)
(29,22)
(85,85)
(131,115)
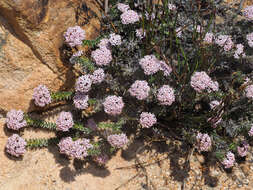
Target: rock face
(31,42)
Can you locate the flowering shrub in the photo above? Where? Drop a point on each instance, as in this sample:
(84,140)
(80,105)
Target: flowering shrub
(163,69)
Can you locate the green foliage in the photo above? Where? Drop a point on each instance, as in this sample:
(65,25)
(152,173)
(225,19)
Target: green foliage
(92,101)
(86,64)
(40,123)
(59,96)
(116,127)
(219,155)
(40,143)
(233,146)
(92,43)
(80,127)
(95,151)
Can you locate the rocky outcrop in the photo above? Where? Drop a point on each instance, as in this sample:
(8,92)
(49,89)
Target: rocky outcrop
(30,45)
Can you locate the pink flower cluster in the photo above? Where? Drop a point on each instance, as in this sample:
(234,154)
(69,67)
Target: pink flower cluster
(172,7)
(204,142)
(113,105)
(239,51)
(98,76)
(15,145)
(249,37)
(249,91)
(165,68)
(15,119)
(104,43)
(248,12)
(123,7)
(147,119)
(74,36)
(209,37)
(102,56)
(75,149)
(242,150)
(129,17)
(140,33)
(81,101)
(251,131)
(150,64)
(64,121)
(83,83)
(200,81)
(41,96)
(115,39)
(166,95)
(229,161)
(224,41)
(118,140)
(139,89)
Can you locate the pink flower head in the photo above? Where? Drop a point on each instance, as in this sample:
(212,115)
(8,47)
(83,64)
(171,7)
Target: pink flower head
(41,96)
(75,149)
(172,7)
(200,81)
(102,56)
(204,142)
(118,140)
(224,41)
(83,83)
(123,7)
(251,131)
(15,145)
(239,51)
(249,38)
(15,119)
(150,64)
(248,12)
(229,161)
(74,36)
(81,101)
(242,150)
(249,91)
(166,95)
(115,39)
(165,68)
(129,17)
(98,76)
(139,89)
(140,33)
(104,43)
(209,37)
(113,105)
(64,121)
(147,119)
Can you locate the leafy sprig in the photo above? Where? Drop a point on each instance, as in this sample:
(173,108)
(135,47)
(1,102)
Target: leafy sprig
(60,96)
(40,143)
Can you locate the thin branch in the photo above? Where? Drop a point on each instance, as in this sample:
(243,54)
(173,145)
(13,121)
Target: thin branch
(106,7)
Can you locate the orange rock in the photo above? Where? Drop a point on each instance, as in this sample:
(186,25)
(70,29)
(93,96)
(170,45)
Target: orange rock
(31,37)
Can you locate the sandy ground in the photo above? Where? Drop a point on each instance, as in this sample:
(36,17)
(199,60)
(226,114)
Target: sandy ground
(161,166)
